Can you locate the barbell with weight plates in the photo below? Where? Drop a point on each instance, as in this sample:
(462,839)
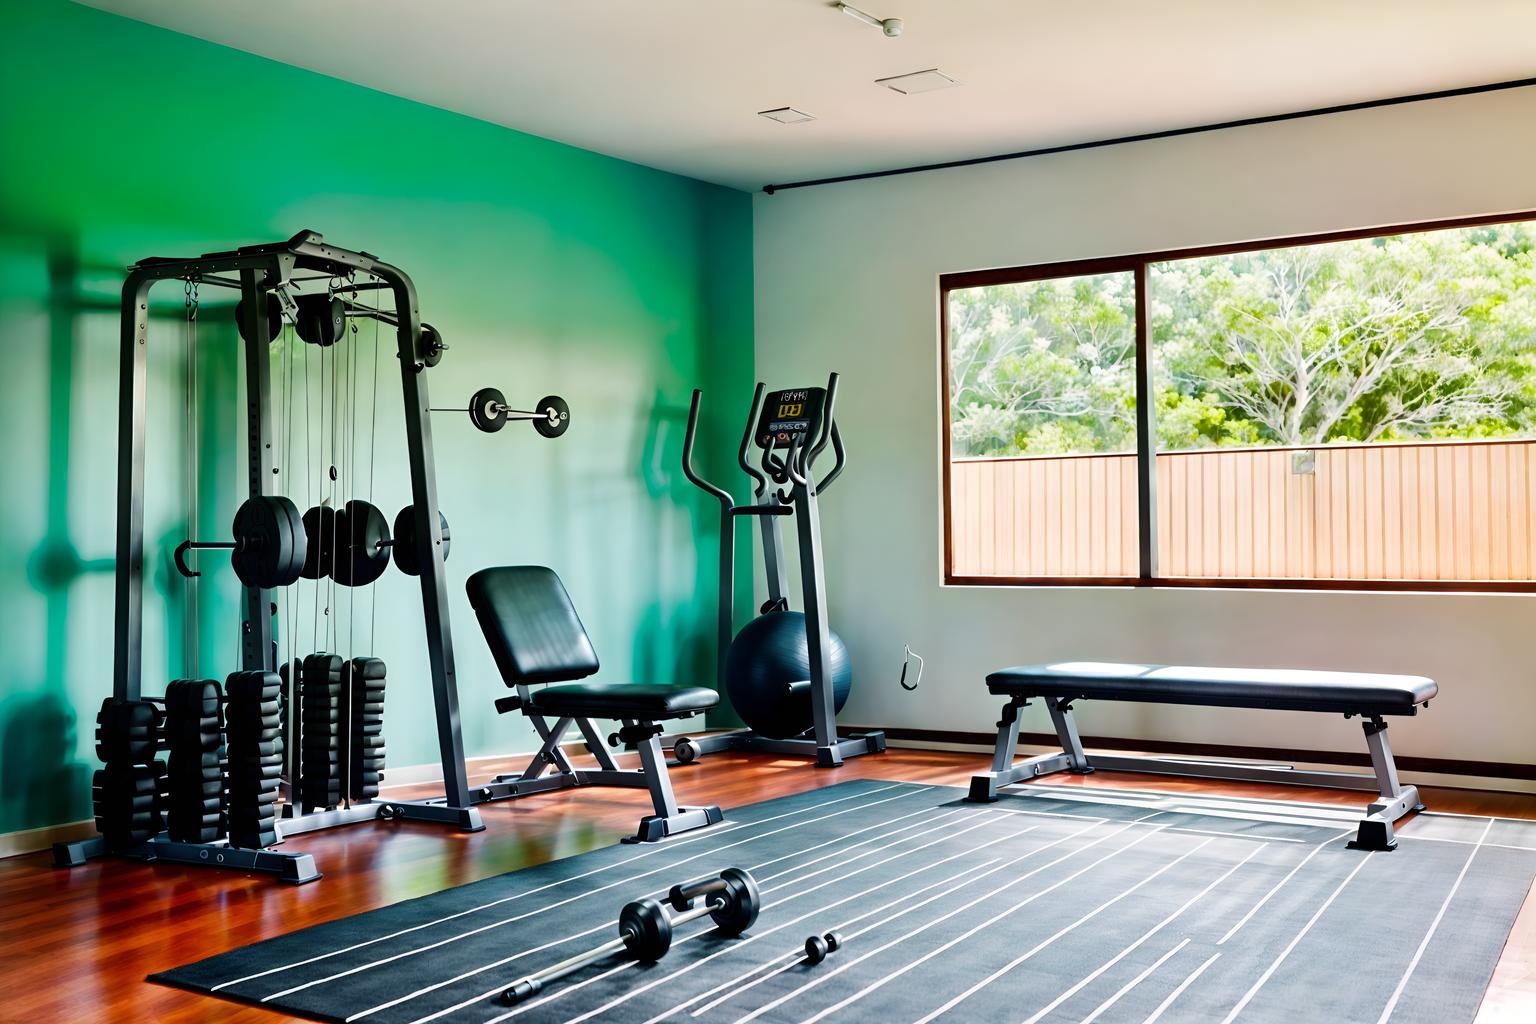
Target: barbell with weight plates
(488,411)
(269,546)
(353,544)
(731,899)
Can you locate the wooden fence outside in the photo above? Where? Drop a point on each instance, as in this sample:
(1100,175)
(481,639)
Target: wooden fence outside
(1462,511)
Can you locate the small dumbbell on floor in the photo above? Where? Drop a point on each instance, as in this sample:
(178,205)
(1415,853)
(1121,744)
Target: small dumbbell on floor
(819,947)
(645,927)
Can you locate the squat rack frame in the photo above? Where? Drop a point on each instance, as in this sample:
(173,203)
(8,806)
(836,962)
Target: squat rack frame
(262,270)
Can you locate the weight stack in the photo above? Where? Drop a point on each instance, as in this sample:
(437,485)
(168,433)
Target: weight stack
(364,682)
(126,794)
(193,733)
(254,749)
(320,763)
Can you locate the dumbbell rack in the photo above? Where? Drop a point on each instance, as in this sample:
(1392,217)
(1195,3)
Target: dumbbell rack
(262,271)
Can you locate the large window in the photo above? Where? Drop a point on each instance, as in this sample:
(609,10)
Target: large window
(1353,411)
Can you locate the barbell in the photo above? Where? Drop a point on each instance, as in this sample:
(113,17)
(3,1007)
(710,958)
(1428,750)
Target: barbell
(269,547)
(731,900)
(275,546)
(488,411)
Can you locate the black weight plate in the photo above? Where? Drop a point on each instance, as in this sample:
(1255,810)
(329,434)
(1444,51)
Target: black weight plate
(253,767)
(562,421)
(263,748)
(742,902)
(430,345)
(111,780)
(369,668)
(488,410)
(129,805)
(360,529)
(282,561)
(407,554)
(647,930)
(320,533)
(250,819)
(255,777)
(263,538)
(245,738)
(298,542)
(120,715)
(319,669)
(254,691)
(196,788)
(193,761)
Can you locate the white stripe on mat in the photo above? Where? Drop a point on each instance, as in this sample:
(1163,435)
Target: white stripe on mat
(1128,950)
(1143,976)
(490,992)
(1174,995)
(1016,961)
(595,871)
(631,994)
(726,828)
(1272,968)
(989,895)
(1278,885)
(1433,925)
(537,911)
(733,987)
(608,925)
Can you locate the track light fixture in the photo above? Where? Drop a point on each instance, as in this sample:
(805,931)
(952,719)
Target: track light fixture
(890,26)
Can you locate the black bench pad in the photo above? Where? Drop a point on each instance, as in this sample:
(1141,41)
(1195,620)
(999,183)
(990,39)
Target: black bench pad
(1280,689)
(621,700)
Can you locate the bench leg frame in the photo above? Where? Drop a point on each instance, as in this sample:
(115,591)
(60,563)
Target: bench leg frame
(549,769)
(1375,828)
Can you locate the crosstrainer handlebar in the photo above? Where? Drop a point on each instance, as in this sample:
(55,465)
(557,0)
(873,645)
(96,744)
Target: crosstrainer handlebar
(798,463)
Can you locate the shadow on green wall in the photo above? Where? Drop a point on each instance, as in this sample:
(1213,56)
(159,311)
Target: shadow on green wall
(39,720)
(40,780)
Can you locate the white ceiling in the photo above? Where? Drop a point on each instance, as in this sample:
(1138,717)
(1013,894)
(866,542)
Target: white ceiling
(677,85)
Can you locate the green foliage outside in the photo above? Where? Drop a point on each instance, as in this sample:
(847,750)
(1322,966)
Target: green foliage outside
(1429,335)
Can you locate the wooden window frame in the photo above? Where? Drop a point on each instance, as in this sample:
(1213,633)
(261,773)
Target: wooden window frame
(1137,264)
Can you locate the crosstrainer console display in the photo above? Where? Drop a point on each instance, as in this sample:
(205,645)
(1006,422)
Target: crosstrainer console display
(794,414)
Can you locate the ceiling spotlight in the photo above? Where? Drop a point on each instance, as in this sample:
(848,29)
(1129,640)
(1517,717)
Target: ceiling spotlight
(786,115)
(890,26)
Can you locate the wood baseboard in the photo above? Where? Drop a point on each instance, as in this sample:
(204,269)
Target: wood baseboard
(1354,759)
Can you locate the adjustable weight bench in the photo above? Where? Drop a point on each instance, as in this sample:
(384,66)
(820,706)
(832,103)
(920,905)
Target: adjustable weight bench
(536,638)
(1370,696)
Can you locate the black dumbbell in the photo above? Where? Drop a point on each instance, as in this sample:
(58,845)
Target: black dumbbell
(645,927)
(818,947)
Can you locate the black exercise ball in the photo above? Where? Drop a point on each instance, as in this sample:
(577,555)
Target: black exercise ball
(768,654)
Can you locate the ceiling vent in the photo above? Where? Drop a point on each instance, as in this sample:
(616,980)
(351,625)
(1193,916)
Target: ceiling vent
(918,81)
(787,115)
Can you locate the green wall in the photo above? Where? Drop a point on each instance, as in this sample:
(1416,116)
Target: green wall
(548,269)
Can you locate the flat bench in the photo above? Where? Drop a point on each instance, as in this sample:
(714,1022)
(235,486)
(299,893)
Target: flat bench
(1372,697)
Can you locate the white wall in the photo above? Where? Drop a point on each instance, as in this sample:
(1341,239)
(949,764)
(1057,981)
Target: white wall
(846,279)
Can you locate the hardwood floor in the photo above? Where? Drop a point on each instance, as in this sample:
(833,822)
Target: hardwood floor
(77,944)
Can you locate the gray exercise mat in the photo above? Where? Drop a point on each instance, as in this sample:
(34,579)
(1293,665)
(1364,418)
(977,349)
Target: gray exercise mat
(1054,904)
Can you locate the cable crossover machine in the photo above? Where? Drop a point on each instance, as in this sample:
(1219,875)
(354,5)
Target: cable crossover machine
(217,775)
